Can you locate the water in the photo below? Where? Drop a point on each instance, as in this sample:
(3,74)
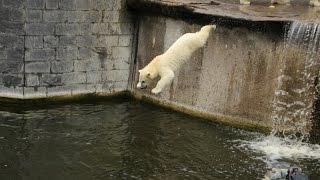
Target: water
(297,87)
(126,139)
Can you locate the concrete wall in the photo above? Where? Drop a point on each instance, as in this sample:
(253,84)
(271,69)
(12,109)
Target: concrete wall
(64,47)
(234,78)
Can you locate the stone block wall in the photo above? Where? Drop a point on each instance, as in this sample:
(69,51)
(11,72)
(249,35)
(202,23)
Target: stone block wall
(64,47)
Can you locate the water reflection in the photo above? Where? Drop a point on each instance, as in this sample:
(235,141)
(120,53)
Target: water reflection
(124,140)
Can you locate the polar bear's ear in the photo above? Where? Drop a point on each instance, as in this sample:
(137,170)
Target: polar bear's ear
(149,74)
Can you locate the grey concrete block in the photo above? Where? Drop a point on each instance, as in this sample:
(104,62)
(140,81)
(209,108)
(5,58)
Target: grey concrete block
(55,16)
(10,27)
(66,41)
(87,65)
(94,77)
(74,78)
(123,85)
(10,41)
(37,67)
(125,28)
(85,41)
(14,3)
(117,75)
(3,54)
(77,4)
(15,54)
(11,14)
(61,66)
(105,5)
(33,42)
(67,53)
(88,53)
(105,28)
(125,40)
(122,64)
(40,55)
(11,80)
(121,52)
(84,16)
(33,15)
(32,80)
(109,41)
(72,29)
(35,4)
(52,4)
(51,41)
(77,89)
(11,66)
(51,80)
(40,29)
(35,92)
(111,16)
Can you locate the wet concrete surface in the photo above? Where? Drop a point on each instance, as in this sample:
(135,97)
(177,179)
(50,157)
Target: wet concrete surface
(259,10)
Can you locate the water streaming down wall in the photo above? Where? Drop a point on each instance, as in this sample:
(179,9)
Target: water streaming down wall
(297,87)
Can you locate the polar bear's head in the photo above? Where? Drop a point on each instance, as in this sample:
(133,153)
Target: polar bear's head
(145,77)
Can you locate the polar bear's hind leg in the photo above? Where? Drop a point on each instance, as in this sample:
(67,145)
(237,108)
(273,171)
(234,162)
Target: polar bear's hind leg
(165,80)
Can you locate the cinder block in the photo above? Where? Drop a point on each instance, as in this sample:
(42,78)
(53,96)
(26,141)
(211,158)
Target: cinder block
(125,40)
(67,53)
(15,54)
(40,29)
(51,41)
(33,15)
(61,66)
(51,80)
(66,41)
(72,29)
(52,4)
(35,4)
(37,67)
(40,55)
(94,77)
(10,41)
(87,65)
(55,16)
(109,41)
(33,42)
(11,66)
(117,75)
(32,80)
(13,3)
(74,78)
(121,52)
(122,64)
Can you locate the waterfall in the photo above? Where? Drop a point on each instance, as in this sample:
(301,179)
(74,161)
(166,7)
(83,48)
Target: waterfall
(296,90)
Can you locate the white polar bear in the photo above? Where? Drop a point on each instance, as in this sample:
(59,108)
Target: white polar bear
(167,64)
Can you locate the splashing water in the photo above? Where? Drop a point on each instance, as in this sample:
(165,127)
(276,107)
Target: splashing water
(293,105)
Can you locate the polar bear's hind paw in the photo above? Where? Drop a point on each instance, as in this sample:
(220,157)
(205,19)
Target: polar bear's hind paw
(156,91)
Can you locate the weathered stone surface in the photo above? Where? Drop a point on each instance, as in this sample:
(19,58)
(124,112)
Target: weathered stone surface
(34,42)
(32,80)
(40,55)
(11,66)
(14,3)
(33,15)
(67,53)
(51,41)
(35,4)
(74,78)
(10,80)
(37,67)
(40,29)
(62,66)
(51,80)
(52,4)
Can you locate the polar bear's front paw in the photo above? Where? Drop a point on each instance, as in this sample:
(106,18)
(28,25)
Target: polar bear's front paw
(156,91)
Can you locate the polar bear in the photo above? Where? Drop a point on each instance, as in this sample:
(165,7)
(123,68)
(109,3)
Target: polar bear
(168,63)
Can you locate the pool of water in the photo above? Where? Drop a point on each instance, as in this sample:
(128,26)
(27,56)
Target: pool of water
(126,139)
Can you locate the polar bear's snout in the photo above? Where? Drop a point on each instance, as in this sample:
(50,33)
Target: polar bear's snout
(141,85)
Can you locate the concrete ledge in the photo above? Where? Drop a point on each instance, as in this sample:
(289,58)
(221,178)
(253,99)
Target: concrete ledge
(231,9)
(214,117)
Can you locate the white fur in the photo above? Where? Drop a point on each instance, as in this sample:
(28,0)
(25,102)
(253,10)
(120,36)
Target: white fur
(167,64)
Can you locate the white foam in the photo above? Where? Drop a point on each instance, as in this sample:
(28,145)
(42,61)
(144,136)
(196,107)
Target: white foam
(275,148)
